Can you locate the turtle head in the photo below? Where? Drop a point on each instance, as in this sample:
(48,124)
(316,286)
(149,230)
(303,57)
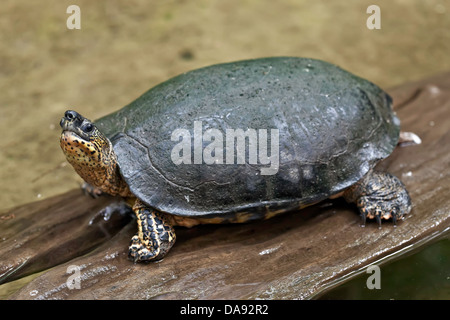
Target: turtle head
(81,137)
(90,152)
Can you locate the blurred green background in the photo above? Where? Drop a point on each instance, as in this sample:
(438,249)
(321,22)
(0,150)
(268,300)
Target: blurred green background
(125,47)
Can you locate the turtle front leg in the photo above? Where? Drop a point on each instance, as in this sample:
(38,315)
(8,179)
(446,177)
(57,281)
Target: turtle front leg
(380,195)
(92,191)
(155,235)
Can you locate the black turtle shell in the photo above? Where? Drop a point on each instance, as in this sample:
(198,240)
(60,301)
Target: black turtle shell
(333,128)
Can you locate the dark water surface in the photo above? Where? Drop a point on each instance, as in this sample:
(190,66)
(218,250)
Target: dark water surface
(421,274)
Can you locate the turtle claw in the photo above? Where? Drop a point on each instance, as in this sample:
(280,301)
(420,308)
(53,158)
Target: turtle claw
(393,215)
(378,218)
(363,220)
(394,219)
(91,190)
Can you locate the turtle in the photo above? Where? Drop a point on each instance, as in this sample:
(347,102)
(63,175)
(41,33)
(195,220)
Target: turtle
(241,141)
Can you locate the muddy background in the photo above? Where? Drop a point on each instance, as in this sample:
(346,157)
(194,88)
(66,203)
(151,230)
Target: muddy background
(126,47)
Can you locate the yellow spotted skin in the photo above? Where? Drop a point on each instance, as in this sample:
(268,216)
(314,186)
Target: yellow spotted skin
(83,156)
(94,162)
(155,235)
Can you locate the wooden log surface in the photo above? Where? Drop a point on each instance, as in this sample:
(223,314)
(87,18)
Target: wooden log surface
(293,256)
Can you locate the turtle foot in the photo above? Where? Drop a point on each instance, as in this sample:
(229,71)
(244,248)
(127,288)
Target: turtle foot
(92,191)
(376,212)
(139,252)
(378,196)
(155,237)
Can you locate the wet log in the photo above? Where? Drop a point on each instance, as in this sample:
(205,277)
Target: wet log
(40,235)
(293,256)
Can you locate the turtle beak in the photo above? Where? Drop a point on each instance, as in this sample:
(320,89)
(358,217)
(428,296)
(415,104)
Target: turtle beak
(71,120)
(75,122)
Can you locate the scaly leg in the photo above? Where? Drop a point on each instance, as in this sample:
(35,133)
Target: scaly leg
(155,235)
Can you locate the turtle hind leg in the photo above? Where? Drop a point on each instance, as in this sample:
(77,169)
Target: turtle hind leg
(155,235)
(380,195)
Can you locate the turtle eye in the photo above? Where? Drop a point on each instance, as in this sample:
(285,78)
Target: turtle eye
(89,127)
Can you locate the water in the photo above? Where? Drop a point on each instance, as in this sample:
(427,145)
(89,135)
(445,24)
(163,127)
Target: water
(423,274)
